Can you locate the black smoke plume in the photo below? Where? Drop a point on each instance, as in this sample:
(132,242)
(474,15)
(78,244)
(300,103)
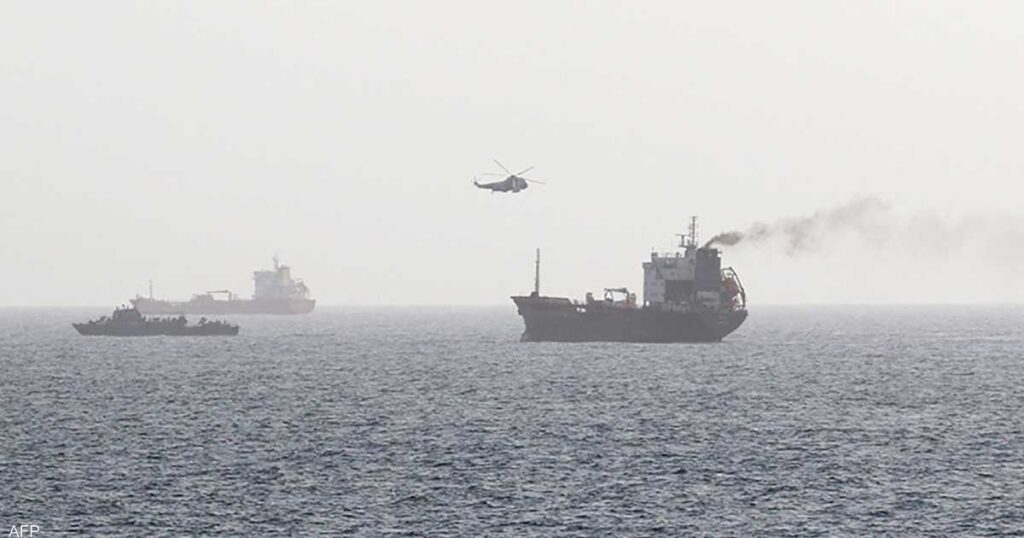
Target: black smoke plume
(869,217)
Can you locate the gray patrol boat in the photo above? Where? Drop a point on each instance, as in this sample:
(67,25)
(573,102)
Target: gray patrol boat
(129,322)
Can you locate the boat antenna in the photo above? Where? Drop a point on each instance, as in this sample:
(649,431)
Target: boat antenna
(536,275)
(693,230)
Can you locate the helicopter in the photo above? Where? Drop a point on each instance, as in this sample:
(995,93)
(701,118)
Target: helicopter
(513,183)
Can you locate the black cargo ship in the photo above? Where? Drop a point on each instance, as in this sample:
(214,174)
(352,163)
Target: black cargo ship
(129,322)
(688,297)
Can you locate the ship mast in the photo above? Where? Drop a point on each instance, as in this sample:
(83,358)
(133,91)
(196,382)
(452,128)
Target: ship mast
(536,275)
(691,237)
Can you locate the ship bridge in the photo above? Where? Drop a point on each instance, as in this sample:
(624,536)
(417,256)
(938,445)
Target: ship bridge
(684,280)
(278,284)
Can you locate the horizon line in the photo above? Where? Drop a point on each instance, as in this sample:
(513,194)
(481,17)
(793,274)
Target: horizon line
(496,305)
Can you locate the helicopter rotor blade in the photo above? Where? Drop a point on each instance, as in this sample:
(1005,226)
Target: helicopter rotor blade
(503,167)
(534,180)
(492,174)
(523,171)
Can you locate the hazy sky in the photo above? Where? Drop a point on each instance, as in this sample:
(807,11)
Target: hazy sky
(187,142)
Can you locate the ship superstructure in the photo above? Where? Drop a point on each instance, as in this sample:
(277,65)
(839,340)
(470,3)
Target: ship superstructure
(278,284)
(687,297)
(275,292)
(692,280)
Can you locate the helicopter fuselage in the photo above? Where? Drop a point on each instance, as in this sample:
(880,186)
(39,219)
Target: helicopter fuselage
(509,184)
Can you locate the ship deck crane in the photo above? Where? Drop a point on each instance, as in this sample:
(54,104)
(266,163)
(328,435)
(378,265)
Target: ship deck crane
(230,296)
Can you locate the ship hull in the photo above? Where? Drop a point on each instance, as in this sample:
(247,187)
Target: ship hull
(155,307)
(97,329)
(559,320)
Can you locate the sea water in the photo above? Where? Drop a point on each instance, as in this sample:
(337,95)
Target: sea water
(806,421)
